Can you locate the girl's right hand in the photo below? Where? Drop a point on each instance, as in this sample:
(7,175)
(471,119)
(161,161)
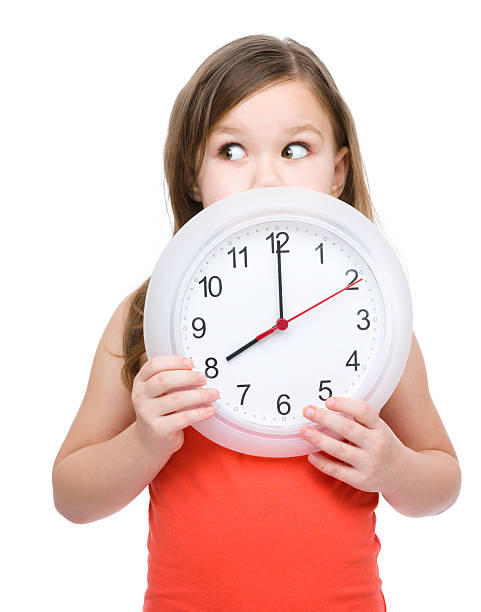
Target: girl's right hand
(160,397)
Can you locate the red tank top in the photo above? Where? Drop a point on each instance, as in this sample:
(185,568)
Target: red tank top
(230,532)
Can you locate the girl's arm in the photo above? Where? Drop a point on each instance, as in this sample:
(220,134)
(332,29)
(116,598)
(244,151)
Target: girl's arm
(404,452)
(102,464)
(432,476)
(98,480)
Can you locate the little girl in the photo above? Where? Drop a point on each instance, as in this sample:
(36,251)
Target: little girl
(230,532)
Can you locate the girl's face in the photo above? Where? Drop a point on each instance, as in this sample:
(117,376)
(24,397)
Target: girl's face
(280,136)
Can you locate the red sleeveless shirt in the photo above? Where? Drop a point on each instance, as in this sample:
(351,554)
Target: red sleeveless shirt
(230,532)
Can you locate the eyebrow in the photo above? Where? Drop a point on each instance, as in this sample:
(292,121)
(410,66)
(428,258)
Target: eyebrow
(295,129)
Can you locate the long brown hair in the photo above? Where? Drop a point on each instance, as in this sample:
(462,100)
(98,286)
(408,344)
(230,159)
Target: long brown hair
(230,74)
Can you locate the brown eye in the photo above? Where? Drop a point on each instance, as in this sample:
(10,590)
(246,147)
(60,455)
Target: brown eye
(293,148)
(227,155)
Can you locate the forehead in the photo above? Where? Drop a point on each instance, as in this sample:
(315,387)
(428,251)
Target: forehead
(289,107)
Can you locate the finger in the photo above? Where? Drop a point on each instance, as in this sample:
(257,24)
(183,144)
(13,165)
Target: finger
(184,418)
(333,468)
(170,380)
(181,400)
(362,411)
(338,423)
(162,362)
(336,448)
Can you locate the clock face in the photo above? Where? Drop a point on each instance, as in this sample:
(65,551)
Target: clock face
(231,296)
(343,327)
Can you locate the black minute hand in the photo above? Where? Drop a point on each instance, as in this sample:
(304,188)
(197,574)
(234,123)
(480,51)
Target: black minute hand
(279,280)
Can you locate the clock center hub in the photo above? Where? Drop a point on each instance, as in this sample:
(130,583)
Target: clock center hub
(282,324)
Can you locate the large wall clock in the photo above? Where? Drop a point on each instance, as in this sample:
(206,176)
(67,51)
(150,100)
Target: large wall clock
(283,297)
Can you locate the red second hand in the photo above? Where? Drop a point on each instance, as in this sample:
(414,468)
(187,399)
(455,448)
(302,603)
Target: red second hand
(282,323)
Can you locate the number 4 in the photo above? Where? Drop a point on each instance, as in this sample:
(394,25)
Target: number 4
(356,363)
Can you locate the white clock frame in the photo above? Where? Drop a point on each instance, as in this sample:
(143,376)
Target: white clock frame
(176,265)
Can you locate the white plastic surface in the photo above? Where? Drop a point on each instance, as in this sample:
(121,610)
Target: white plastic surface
(173,271)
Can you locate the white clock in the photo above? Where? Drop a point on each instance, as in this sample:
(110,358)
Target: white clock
(283,297)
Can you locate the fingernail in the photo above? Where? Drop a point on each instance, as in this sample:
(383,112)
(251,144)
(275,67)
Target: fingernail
(330,402)
(310,412)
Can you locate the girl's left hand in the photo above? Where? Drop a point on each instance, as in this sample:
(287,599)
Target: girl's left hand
(371,455)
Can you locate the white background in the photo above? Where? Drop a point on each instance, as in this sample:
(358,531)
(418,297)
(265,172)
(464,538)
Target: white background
(87,89)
